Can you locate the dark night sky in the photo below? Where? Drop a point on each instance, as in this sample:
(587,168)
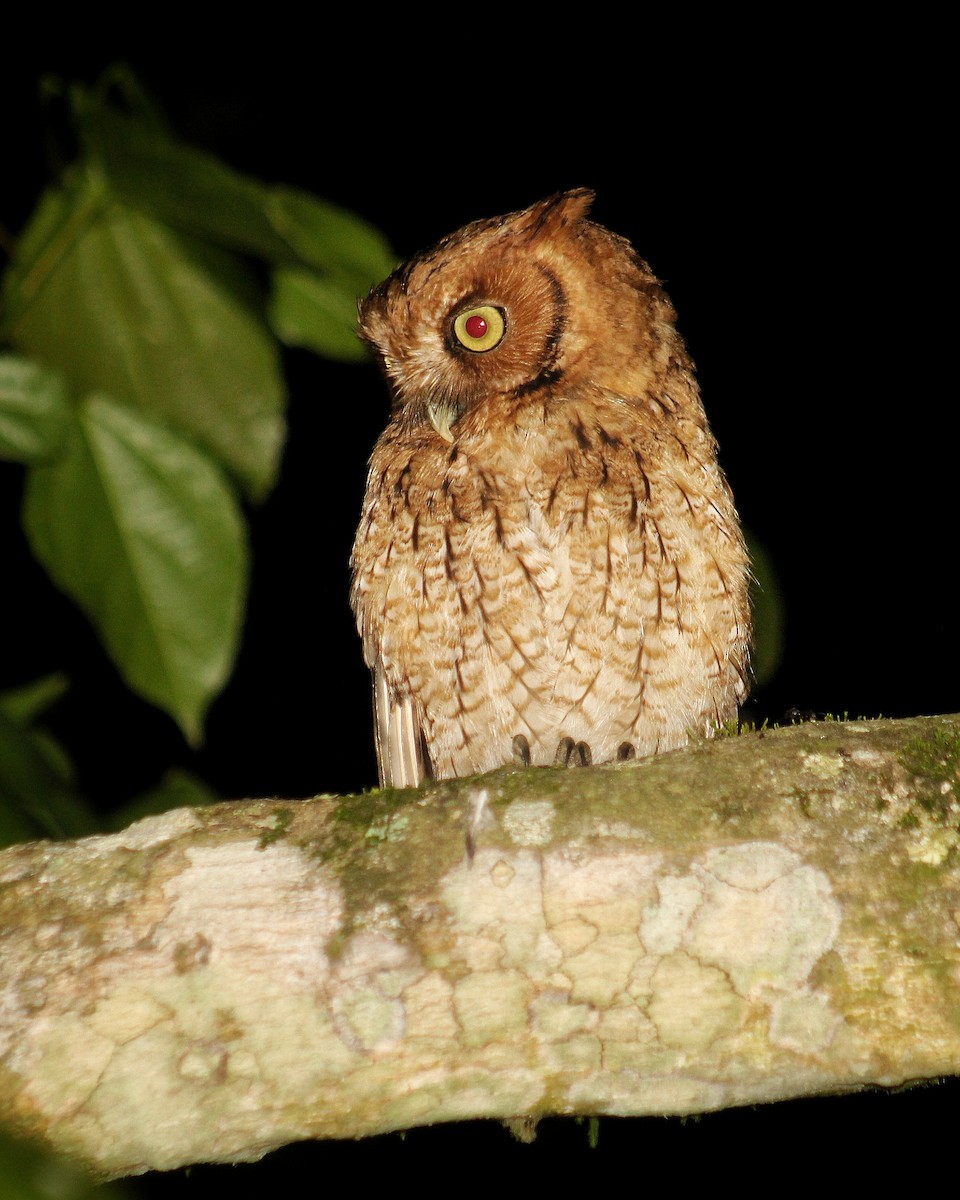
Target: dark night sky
(796,217)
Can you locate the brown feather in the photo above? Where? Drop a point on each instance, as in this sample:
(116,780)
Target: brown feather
(556,554)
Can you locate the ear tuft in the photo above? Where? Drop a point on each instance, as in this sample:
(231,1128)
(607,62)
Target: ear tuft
(548,217)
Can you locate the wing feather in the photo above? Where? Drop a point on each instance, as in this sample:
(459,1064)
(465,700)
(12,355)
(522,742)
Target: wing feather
(401,753)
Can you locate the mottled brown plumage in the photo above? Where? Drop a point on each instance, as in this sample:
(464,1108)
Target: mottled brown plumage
(548,554)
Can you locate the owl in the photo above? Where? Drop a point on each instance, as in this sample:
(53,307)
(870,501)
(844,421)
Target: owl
(549,567)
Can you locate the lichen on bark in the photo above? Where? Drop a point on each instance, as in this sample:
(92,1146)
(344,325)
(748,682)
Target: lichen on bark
(748,919)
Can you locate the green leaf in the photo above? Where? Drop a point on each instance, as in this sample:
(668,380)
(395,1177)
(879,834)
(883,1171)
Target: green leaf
(59,219)
(288,227)
(121,304)
(315,306)
(140,529)
(119,79)
(36,799)
(330,238)
(24,704)
(768,615)
(182,186)
(33,410)
(177,789)
(28,1171)
(196,192)
(307,310)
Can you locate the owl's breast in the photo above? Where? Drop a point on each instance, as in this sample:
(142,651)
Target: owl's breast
(564,578)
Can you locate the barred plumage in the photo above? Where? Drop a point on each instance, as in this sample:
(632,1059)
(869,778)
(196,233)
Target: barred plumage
(549,554)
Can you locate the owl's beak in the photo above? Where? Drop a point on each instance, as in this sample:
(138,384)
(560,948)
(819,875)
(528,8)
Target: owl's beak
(441,414)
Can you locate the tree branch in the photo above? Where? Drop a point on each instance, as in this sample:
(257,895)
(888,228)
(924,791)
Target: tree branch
(749,919)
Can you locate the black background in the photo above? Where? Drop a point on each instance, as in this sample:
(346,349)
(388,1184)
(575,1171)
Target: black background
(794,203)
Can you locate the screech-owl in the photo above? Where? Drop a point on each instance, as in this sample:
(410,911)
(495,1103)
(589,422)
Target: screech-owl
(549,565)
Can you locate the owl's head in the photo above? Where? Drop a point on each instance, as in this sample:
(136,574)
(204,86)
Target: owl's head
(537,301)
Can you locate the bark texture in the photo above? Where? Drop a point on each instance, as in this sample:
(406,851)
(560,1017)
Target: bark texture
(748,919)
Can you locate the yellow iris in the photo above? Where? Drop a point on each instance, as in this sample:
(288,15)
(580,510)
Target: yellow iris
(480,328)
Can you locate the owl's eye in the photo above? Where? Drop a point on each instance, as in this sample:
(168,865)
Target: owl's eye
(480,328)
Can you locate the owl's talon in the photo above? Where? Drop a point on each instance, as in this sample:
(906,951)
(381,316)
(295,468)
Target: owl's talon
(565,749)
(572,754)
(626,751)
(521,751)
